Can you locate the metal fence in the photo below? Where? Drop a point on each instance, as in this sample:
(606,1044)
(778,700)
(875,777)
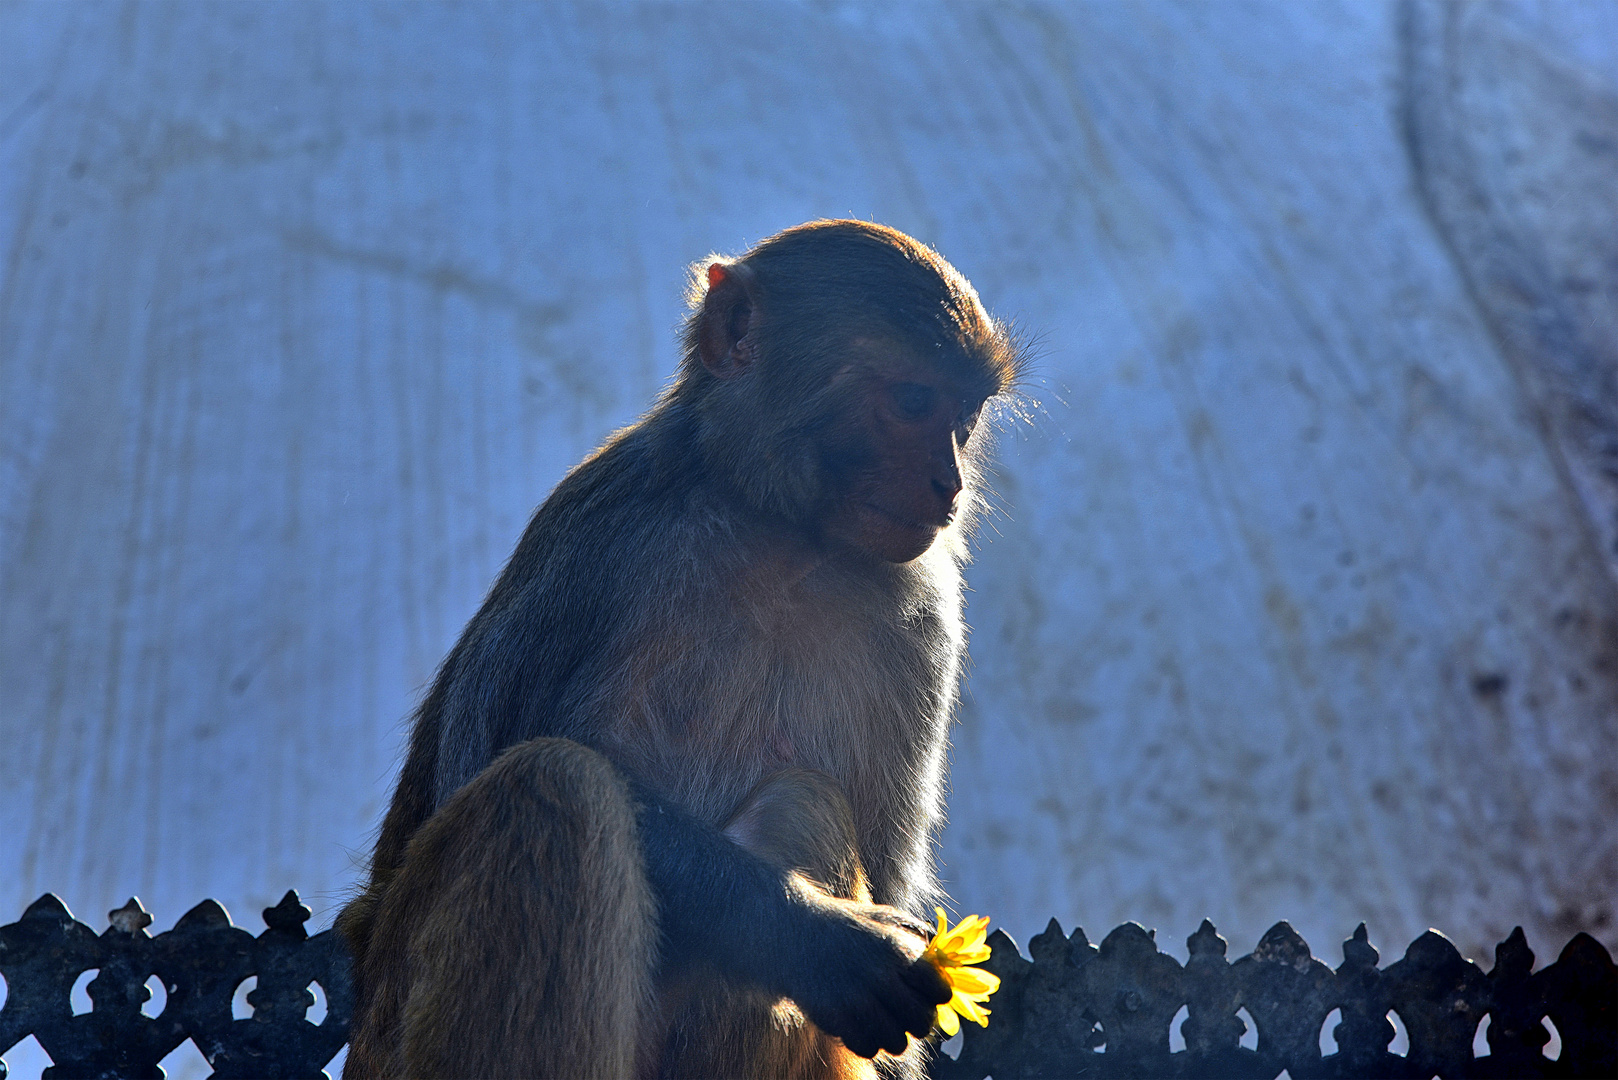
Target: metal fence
(1078,1010)
(201,964)
(1073,1010)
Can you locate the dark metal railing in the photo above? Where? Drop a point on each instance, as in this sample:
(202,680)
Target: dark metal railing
(201,963)
(1074,1010)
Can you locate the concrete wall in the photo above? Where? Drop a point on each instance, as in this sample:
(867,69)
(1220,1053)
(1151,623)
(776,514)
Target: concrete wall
(1300,603)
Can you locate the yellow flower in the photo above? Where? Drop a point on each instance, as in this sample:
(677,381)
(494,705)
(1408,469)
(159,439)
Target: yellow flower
(951,952)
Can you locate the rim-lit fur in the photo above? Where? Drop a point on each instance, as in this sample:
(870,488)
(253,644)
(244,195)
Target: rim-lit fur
(821,285)
(672,616)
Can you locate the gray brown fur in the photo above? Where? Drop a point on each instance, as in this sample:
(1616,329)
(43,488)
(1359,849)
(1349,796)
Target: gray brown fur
(687,611)
(549,830)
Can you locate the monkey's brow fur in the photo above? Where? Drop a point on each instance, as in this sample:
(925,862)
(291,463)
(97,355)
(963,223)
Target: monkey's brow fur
(686,640)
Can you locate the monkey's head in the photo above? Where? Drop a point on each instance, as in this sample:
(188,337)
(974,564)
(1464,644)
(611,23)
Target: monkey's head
(838,372)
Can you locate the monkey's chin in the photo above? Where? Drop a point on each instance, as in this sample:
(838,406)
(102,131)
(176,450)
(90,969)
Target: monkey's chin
(908,549)
(893,539)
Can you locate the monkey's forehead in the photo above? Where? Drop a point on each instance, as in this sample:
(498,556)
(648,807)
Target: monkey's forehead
(973,371)
(959,336)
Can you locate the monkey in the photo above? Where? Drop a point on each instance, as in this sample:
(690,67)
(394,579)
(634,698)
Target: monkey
(669,804)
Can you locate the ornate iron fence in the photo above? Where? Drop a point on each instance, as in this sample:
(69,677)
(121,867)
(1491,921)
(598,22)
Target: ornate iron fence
(1076,1010)
(1073,1010)
(201,963)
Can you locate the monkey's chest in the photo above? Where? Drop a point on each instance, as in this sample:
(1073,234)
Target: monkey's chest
(862,694)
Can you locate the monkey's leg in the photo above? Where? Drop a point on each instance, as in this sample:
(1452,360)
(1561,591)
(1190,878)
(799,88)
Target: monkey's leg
(519,937)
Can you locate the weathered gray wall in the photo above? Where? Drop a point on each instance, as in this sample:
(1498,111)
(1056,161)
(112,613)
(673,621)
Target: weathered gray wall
(1301,604)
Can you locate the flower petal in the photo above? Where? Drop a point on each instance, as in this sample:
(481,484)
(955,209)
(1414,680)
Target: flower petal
(972,1011)
(972,981)
(975,955)
(952,951)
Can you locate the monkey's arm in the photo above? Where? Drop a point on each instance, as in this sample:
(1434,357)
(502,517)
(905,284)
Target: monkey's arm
(850,967)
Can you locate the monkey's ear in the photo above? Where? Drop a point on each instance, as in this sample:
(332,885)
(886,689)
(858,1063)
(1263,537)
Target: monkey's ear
(729,320)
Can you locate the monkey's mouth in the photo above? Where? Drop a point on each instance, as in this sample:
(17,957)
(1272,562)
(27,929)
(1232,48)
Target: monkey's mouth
(910,524)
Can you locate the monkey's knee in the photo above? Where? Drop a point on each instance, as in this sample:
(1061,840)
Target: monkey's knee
(521,932)
(799,819)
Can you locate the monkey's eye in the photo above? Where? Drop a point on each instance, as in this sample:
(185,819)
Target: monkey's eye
(913,401)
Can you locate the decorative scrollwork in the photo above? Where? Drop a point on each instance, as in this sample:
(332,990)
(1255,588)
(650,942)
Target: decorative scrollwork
(1073,1010)
(201,962)
(1078,1011)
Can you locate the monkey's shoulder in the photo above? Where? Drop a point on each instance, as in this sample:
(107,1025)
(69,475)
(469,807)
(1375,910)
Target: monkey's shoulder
(637,526)
(628,587)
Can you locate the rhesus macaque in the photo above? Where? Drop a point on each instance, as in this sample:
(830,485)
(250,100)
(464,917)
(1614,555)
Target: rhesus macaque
(669,805)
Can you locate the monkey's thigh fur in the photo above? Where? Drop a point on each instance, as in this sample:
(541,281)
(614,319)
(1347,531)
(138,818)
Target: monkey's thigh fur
(519,939)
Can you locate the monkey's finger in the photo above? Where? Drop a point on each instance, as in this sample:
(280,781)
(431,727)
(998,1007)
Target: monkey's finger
(918,1021)
(906,1007)
(851,1021)
(902,920)
(888,1028)
(913,1012)
(925,980)
(897,1043)
(863,1043)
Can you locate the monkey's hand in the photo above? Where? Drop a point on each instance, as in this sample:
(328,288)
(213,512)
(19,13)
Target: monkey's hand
(854,969)
(858,972)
